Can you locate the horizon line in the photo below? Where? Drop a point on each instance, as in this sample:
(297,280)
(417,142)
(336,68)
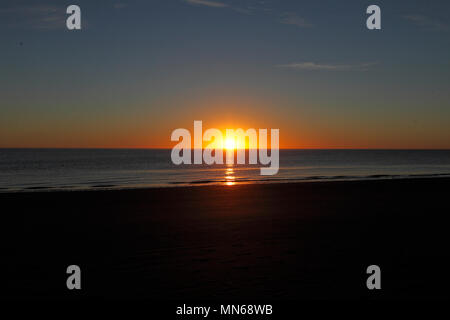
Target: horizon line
(224,149)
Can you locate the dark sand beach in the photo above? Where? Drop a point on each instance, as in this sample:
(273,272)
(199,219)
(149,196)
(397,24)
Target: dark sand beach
(262,241)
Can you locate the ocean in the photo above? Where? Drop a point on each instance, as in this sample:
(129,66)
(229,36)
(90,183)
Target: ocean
(92,169)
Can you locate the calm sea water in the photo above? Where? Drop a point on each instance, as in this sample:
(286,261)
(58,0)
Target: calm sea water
(78,169)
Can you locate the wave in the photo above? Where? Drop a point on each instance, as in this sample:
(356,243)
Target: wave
(314,178)
(117,185)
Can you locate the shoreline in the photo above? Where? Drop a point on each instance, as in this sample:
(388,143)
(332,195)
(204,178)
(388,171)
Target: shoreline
(225,183)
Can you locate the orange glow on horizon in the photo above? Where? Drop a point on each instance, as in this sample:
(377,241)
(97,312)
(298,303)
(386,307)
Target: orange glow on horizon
(234,141)
(301,136)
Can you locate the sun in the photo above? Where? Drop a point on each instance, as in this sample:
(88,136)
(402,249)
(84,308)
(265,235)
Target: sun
(230,144)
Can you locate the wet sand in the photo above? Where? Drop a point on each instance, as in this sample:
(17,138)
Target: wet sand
(263,241)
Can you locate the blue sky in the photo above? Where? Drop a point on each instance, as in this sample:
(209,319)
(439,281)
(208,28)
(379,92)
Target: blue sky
(139,69)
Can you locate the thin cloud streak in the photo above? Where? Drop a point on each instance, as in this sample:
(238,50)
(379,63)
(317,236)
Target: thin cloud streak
(256,7)
(427,22)
(292,18)
(312,66)
(207,3)
(119,5)
(37,16)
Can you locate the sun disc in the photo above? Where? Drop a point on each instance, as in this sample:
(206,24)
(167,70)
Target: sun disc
(230,144)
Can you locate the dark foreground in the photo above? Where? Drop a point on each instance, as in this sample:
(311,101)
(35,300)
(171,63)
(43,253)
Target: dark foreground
(250,242)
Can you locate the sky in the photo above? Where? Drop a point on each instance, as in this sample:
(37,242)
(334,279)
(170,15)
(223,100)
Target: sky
(139,69)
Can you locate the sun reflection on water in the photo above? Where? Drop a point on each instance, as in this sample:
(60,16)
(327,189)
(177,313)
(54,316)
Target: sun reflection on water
(229,176)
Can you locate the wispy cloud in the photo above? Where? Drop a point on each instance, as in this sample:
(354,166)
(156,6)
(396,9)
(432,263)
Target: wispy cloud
(36,16)
(253,7)
(312,66)
(427,22)
(207,3)
(293,19)
(119,5)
